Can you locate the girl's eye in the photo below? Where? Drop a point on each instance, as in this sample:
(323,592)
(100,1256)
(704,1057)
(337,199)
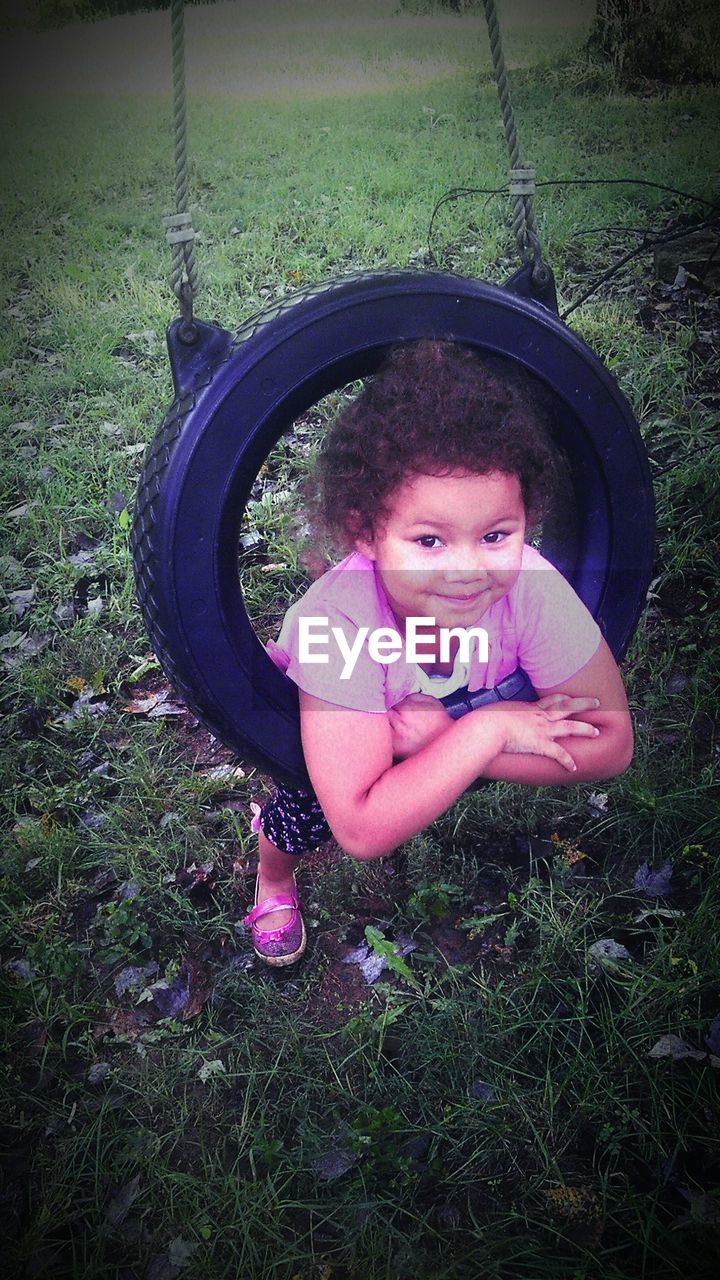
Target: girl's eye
(429,541)
(494,537)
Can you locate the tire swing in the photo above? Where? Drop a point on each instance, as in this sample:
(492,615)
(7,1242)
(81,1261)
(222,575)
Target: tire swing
(237,395)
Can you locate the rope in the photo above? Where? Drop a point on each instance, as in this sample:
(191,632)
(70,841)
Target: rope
(179,230)
(522,176)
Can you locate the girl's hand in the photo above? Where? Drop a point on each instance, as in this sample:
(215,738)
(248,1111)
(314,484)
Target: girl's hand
(415,722)
(532,728)
(566,705)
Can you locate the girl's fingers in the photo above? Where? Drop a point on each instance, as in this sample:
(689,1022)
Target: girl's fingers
(563,757)
(551,700)
(562,705)
(578,729)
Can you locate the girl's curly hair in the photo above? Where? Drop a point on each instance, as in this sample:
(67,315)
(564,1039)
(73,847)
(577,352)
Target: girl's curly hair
(432,408)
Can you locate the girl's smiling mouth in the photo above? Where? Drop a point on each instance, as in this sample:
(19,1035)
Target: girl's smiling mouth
(466,600)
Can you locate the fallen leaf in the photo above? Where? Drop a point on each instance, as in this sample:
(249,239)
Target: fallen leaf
(185,996)
(194,877)
(606,952)
(127,1023)
(657,913)
(155,706)
(88,704)
(104,879)
(484,1092)
(98,1072)
(671,1046)
(655,884)
(93,821)
(83,557)
(703,1208)
(224,773)
(170,1264)
(34,643)
(117,502)
(11,567)
(21,600)
(215,1067)
(335,1163)
(371,961)
(180,1252)
(10,640)
(121,1201)
(28,646)
(371,966)
(65,613)
(132,977)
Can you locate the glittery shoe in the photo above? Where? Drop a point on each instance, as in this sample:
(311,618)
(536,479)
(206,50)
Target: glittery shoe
(277,946)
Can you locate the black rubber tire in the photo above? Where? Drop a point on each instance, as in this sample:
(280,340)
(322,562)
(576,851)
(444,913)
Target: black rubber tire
(202,464)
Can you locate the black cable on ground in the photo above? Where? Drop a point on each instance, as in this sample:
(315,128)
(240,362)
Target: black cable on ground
(458,193)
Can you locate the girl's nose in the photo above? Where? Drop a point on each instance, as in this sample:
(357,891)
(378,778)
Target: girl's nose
(470,576)
(468,567)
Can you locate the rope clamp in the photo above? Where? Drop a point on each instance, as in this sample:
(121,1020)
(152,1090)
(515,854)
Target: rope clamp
(522,180)
(178,228)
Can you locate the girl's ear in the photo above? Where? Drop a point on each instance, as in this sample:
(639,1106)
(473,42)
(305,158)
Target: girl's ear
(360,536)
(366,547)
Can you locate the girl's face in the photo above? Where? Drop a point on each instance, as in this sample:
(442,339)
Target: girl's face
(450,547)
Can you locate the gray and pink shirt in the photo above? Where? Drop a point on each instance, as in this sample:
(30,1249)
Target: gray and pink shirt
(541,625)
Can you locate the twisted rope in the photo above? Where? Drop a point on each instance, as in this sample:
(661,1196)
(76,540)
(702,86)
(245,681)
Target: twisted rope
(522,176)
(179,229)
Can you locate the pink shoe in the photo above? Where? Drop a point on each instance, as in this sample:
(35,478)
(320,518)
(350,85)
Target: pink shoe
(277,946)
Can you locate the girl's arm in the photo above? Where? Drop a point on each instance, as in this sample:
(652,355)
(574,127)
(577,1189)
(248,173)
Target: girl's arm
(372,805)
(419,719)
(596,758)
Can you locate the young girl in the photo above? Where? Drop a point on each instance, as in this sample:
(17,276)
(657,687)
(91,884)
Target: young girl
(431,479)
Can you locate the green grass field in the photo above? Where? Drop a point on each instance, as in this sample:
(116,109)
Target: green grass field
(512,1101)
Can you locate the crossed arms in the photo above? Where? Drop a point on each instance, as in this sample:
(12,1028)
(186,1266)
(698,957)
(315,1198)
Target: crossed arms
(578,731)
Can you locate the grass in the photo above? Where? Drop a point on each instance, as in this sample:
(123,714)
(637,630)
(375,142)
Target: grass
(500,1115)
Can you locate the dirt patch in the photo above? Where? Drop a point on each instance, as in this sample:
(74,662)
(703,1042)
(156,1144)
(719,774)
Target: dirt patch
(342,992)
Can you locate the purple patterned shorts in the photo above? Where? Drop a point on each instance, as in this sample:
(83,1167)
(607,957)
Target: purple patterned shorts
(293,821)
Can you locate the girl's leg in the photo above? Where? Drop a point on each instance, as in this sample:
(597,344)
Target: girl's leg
(291,824)
(275,876)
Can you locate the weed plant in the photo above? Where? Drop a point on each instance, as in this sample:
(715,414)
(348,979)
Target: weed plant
(169,1105)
